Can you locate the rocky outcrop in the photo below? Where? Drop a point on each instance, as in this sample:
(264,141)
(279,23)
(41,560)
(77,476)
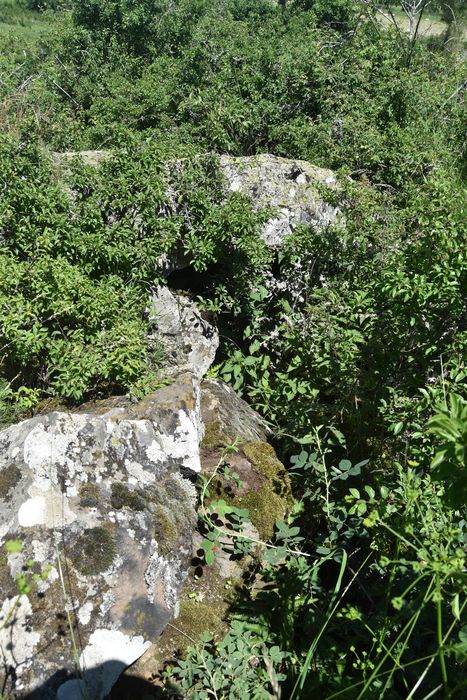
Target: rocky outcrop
(98,505)
(104,508)
(99,508)
(291,189)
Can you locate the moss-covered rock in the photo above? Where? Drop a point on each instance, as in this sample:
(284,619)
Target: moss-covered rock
(264,485)
(204,607)
(89,495)
(9,478)
(93,551)
(166,532)
(263,457)
(265,507)
(122,496)
(197,617)
(214,437)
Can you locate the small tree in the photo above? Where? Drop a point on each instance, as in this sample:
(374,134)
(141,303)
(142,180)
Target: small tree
(414,10)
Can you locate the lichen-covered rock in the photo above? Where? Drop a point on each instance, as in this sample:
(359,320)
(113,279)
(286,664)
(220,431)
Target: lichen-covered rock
(262,486)
(227,417)
(189,341)
(105,514)
(290,187)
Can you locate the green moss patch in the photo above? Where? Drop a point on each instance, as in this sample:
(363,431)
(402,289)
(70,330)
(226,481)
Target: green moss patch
(94,551)
(122,497)
(214,437)
(265,490)
(264,458)
(9,477)
(271,501)
(165,530)
(197,617)
(89,495)
(172,491)
(50,405)
(203,608)
(265,507)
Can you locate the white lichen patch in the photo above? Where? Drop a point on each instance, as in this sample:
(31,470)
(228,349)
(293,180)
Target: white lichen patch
(137,471)
(46,447)
(40,550)
(183,445)
(108,601)
(51,510)
(154,452)
(17,639)
(163,579)
(106,655)
(84,613)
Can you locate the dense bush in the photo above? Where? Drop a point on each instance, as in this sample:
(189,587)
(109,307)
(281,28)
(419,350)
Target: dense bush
(246,77)
(83,249)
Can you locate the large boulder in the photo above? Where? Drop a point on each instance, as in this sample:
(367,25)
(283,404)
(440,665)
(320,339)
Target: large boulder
(291,189)
(262,486)
(104,507)
(103,503)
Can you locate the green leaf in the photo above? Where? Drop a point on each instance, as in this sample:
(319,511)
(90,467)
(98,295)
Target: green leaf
(455,607)
(209,557)
(13,546)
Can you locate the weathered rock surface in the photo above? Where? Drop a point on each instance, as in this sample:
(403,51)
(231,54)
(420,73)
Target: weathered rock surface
(101,503)
(263,487)
(189,341)
(227,417)
(290,187)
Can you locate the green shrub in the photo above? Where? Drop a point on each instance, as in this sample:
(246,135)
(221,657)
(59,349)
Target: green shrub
(82,251)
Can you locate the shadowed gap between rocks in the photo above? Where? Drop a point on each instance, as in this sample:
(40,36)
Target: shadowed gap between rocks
(129,687)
